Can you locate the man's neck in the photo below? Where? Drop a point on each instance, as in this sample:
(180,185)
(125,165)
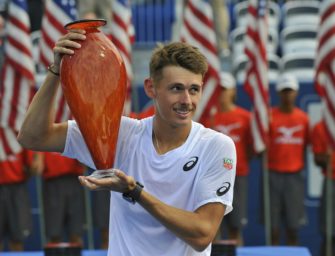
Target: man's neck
(168,138)
(227,107)
(286,108)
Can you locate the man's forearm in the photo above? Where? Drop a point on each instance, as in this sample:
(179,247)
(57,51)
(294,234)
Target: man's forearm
(197,229)
(40,114)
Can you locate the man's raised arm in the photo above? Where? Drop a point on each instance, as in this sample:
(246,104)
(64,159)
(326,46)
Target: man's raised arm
(38,131)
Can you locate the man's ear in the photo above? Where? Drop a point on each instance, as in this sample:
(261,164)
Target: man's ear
(149,88)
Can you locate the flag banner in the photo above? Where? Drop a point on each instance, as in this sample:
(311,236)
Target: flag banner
(256,81)
(198,30)
(325,67)
(17,77)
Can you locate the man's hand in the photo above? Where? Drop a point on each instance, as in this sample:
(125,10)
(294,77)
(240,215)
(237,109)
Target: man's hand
(120,182)
(66,45)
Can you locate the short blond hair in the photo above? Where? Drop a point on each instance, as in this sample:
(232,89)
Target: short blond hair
(177,54)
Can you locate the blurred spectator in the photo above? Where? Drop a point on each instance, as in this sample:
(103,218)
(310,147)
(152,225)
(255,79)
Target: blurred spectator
(222,25)
(15,208)
(63,199)
(234,121)
(322,156)
(286,156)
(35,11)
(95,9)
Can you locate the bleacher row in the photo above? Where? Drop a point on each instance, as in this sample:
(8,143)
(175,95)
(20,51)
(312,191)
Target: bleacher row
(292,40)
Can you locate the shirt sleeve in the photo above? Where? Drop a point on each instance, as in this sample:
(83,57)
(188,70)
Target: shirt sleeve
(75,146)
(217,184)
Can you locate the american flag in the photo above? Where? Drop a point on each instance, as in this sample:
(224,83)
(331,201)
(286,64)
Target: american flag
(123,36)
(198,30)
(57,13)
(325,67)
(17,77)
(256,81)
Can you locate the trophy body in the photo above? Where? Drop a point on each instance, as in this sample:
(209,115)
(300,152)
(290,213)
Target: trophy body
(94,82)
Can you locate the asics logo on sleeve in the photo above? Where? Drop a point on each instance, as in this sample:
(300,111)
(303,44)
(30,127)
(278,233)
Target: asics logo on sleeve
(224,189)
(190,164)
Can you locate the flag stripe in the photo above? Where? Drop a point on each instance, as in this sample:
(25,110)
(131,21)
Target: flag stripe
(325,67)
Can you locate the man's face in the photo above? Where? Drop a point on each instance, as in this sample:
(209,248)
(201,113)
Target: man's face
(177,95)
(288,97)
(227,96)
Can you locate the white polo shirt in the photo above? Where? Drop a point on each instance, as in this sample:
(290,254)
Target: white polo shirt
(200,171)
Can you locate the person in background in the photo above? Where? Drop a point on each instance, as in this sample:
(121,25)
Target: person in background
(63,199)
(35,11)
(93,9)
(324,156)
(15,207)
(288,138)
(222,26)
(234,121)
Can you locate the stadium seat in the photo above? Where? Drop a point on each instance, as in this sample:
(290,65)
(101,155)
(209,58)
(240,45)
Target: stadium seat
(240,12)
(239,68)
(237,42)
(300,64)
(301,12)
(301,38)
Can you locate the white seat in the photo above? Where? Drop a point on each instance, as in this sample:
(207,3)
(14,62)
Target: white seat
(238,45)
(301,12)
(300,64)
(239,68)
(241,14)
(301,38)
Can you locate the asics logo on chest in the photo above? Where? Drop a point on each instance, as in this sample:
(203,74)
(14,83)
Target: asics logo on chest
(190,164)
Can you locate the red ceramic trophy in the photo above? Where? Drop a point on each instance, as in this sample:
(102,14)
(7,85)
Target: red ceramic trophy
(94,83)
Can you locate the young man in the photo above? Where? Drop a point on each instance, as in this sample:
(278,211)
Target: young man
(288,138)
(234,122)
(187,171)
(322,157)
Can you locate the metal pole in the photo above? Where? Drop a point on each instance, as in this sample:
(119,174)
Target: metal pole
(40,209)
(329,206)
(266,198)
